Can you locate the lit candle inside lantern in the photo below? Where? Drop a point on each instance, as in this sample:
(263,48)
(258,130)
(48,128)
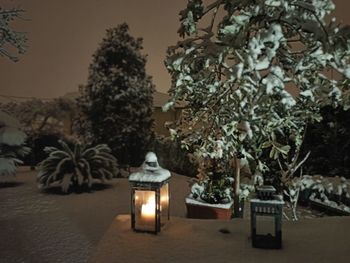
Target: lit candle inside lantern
(164,200)
(148,210)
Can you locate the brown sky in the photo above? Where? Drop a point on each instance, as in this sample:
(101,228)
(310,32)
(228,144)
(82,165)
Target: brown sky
(63,34)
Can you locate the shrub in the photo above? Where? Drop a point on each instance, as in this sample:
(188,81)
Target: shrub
(38,143)
(329,143)
(10,157)
(12,144)
(173,157)
(76,166)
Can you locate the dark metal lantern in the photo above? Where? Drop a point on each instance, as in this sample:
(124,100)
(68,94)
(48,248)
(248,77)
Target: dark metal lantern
(267,208)
(149,197)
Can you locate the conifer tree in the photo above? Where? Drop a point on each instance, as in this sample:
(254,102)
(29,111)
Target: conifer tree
(116,103)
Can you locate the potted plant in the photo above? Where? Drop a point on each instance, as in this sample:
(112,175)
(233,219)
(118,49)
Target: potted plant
(211,195)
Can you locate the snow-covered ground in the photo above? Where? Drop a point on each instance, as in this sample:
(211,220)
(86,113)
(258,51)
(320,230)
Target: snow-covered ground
(184,240)
(50,227)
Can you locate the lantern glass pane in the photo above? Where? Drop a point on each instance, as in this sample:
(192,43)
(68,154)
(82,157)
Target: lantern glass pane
(145,210)
(265,225)
(164,203)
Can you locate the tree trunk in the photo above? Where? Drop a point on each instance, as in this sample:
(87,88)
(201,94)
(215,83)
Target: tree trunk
(32,155)
(236,212)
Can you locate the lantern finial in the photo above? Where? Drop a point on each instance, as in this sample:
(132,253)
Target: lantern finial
(151,162)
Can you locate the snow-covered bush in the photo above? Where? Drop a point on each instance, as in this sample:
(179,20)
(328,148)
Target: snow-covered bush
(38,116)
(116,103)
(215,182)
(11,39)
(213,192)
(39,119)
(333,192)
(12,144)
(246,190)
(219,194)
(237,68)
(76,167)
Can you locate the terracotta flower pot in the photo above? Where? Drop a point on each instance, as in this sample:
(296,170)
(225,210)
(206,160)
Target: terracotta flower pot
(202,210)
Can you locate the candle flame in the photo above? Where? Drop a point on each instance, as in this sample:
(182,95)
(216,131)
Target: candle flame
(149,208)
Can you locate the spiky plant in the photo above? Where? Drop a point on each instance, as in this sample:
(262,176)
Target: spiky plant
(76,166)
(10,157)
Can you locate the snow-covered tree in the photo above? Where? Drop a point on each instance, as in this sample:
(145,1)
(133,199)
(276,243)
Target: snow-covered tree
(11,41)
(12,144)
(40,117)
(237,67)
(116,103)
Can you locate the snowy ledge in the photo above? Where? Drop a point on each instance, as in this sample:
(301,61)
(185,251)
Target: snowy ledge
(190,200)
(157,176)
(331,204)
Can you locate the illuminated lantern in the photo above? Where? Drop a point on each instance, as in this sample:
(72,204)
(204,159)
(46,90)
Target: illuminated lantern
(149,196)
(266,218)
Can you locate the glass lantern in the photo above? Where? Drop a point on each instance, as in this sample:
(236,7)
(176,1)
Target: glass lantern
(149,206)
(149,196)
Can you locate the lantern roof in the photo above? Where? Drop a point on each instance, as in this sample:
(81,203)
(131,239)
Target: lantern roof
(277,200)
(150,176)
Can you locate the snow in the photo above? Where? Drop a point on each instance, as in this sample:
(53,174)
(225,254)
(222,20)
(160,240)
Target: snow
(157,176)
(61,228)
(167,106)
(238,21)
(244,127)
(190,200)
(7,120)
(329,203)
(277,201)
(308,94)
(193,240)
(197,189)
(7,166)
(12,136)
(261,55)
(274,81)
(273,3)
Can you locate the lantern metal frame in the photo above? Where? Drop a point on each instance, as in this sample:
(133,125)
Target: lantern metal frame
(272,208)
(154,187)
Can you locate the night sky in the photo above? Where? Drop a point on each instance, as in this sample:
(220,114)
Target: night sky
(63,35)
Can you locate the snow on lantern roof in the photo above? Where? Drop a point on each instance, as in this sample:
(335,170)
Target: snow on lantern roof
(278,200)
(148,176)
(151,171)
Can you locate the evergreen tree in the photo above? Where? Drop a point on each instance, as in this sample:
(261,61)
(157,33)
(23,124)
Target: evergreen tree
(117,102)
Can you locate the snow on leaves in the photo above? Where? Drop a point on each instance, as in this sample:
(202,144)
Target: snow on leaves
(243,67)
